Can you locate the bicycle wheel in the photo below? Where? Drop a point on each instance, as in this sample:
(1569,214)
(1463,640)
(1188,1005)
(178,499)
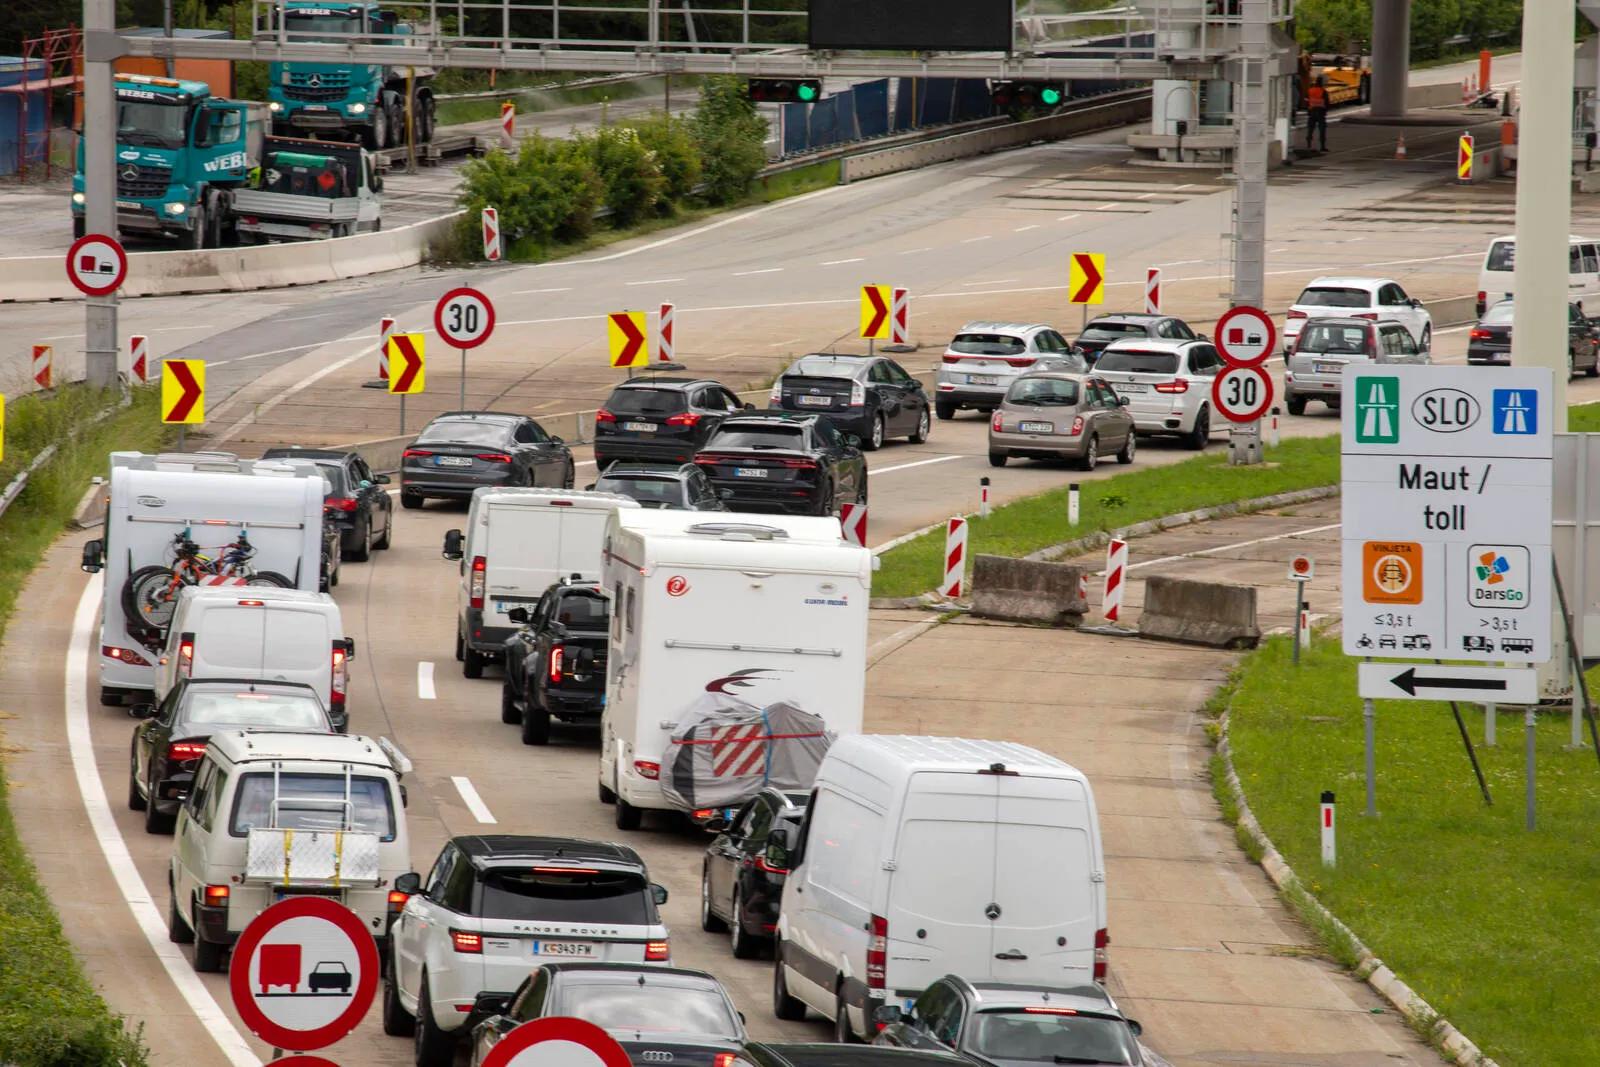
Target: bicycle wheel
(269,578)
(149,598)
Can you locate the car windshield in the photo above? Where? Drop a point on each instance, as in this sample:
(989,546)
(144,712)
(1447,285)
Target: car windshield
(1139,362)
(1043,391)
(647,401)
(558,894)
(987,344)
(1500,314)
(284,711)
(1054,1036)
(1347,340)
(646,489)
(146,122)
(1110,331)
(1502,256)
(307,801)
(640,1004)
(464,432)
(1329,297)
(758,437)
(582,611)
(321,27)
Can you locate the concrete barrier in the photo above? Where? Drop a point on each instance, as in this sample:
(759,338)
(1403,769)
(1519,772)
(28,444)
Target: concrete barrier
(1443,94)
(1202,613)
(1028,591)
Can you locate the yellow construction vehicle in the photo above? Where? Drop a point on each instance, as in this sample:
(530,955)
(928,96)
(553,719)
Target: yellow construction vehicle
(1348,77)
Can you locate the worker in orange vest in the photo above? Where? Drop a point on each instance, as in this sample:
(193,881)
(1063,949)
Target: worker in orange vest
(1317,112)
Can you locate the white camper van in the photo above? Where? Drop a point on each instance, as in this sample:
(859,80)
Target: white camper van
(1500,268)
(926,856)
(214,500)
(519,542)
(765,608)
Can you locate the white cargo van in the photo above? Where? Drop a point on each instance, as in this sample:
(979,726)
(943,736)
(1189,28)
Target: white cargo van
(1499,271)
(277,635)
(274,815)
(926,856)
(765,608)
(218,499)
(519,542)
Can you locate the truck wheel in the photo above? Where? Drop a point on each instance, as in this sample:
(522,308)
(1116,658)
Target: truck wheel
(376,135)
(628,816)
(424,120)
(535,725)
(208,955)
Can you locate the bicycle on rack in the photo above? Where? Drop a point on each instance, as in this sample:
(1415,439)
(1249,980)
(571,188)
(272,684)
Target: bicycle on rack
(151,594)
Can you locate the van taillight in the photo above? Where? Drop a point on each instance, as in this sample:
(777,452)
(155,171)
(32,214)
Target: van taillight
(475,590)
(341,675)
(878,953)
(657,951)
(217,895)
(126,655)
(647,769)
(557,654)
(185,655)
(466,941)
(397,900)
(184,751)
(1101,940)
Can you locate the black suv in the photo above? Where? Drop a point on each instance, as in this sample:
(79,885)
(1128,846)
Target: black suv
(739,890)
(783,462)
(556,663)
(1102,330)
(358,507)
(664,420)
(869,396)
(667,486)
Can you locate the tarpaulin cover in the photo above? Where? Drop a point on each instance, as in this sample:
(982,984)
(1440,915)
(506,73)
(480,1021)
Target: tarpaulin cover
(725,750)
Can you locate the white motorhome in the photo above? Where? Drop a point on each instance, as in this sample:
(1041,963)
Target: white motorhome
(926,856)
(213,498)
(765,608)
(518,542)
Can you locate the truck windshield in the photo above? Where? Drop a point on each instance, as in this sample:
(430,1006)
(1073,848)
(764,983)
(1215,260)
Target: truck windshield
(328,28)
(148,123)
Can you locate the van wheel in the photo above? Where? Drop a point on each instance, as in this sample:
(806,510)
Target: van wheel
(628,816)
(535,725)
(744,946)
(842,1033)
(471,661)
(461,647)
(606,795)
(208,955)
(434,1047)
(397,1022)
(177,932)
(785,1007)
(510,714)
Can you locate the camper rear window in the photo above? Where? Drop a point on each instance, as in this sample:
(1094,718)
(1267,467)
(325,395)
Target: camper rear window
(552,895)
(309,801)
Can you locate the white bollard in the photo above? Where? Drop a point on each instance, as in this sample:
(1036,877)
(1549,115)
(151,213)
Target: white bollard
(1072,504)
(955,557)
(983,498)
(1327,828)
(1116,574)
(1272,428)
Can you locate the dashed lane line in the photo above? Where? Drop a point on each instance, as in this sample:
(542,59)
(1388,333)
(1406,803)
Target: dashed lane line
(470,797)
(425,690)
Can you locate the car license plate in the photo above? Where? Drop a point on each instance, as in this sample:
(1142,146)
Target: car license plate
(452,461)
(982,379)
(815,401)
(639,427)
(128,205)
(1035,427)
(1130,387)
(1327,368)
(580,949)
(749,472)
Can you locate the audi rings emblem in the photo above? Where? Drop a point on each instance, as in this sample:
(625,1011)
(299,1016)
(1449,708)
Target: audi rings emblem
(655,1056)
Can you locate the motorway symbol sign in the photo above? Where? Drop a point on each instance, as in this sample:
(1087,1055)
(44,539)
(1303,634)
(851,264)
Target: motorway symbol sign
(138,360)
(1378,411)
(97,265)
(304,973)
(557,1042)
(1464,158)
(876,301)
(406,363)
(1086,278)
(491,235)
(183,391)
(464,317)
(1478,685)
(1241,393)
(1245,336)
(625,331)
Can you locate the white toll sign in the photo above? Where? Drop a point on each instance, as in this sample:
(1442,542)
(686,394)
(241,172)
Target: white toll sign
(97,265)
(1446,512)
(1241,393)
(1245,335)
(304,973)
(464,318)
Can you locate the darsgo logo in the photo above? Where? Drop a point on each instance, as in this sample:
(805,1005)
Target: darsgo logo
(1498,577)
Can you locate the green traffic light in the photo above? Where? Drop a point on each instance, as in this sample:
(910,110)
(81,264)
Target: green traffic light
(1050,96)
(808,92)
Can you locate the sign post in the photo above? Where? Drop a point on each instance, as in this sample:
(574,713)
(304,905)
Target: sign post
(665,348)
(464,317)
(1301,571)
(508,124)
(1086,280)
(1246,336)
(41,365)
(900,319)
(97,265)
(1116,580)
(955,557)
(1464,158)
(138,360)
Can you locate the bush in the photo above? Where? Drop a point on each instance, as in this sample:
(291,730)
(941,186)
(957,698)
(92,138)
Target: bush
(731,138)
(634,184)
(671,140)
(547,192)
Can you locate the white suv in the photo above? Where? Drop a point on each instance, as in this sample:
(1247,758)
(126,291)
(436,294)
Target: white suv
(1167,385)
(495,907)
(984,358)
(1360,298)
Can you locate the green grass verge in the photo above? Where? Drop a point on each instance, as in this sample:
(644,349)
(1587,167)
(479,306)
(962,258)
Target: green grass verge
(50,1014)
(1141,493)
(1489,923)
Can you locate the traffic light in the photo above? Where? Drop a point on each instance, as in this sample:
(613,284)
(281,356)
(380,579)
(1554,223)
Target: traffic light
(1006,95)
(785,90)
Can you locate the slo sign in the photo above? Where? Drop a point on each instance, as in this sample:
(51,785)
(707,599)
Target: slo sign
(303,973)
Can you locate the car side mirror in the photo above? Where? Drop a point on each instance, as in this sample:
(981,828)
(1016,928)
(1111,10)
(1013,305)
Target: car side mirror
(887,1014)
(1415,302)
(518,615)
(380,479)
(405,798)
(1202,337)
(1122,401)
(142,711)
(409,883)
(851,440)
(1133,1024)
(350,649)
(365,484)
(779,845)
(452,545)
(377,183)
(556,440)
(94,556)
(658,893)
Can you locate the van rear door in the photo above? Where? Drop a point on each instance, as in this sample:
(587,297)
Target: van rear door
(1045,870)
(520,550)
(299,648)
(229,641)
(583,531)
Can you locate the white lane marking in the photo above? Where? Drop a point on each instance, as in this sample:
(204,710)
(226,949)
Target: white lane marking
(470,797)
(269,352)
(837,262)
(151,921)
(1106,207)
(1025,229)
(655,281)
(1236,544)
(763,270)
(1068,218)
(780,344)
(1180,263)
(914,251)
(308,318)
(60,336)
(997,281)
(557,289)
(425,690)
(908,466)
(970,240)
(1456,329)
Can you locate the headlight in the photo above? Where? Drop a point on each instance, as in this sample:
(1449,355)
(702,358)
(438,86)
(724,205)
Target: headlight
(177,209)
(77,198)
(274,106)
(358,109)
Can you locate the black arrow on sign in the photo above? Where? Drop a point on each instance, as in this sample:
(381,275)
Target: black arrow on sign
(1408,681)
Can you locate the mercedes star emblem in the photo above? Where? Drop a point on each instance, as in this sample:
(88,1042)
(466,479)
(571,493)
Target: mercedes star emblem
(992,911)
(130,172)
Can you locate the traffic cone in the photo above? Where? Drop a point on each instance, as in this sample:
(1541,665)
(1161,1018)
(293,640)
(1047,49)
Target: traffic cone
(1400,147)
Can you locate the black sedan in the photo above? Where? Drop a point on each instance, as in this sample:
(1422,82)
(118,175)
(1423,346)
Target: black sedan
(739,889)
(1103,330)
(462,450)
(170,741)
(796,464)
(869,396)
(670,486)
(357,505)
(1489,343)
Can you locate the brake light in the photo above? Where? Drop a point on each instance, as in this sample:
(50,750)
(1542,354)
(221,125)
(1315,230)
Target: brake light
(415,453)
(763,865)
(1077,426)
(690,419)
(776,396)
(1177,385)
(466,941)
(475,589)
(493,457)
(216,895)
(1483,299)
(798,464)
(126,655)
(1049,1011)
(948,358)
(566,870)
(724,1059)
(858,395)
(252,603)
(557,654)
(1479,335)
(604,416)
(657,951)
(341,677)
(340,503)
(397,900)
(1021,361)
(1371,316)
(184,751)
(1101,940)
(878,953)
(1297,314)
(185,655)
(998,423)
(647,769)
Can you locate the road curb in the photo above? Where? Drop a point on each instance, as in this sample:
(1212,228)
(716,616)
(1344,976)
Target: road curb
(1455,1045)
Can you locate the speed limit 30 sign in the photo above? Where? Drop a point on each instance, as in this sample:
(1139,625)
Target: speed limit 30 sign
(464,317)
(1241,394)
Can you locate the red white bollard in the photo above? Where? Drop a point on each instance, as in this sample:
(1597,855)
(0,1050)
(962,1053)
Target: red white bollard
(853,523)
(1116,575)
(983,498)
(900,317)
(138,361)
(1272,428)
(1072,504)
(1327,828)
(491,235)
(385,328)
(508,124)
(1152,291)
(955,558)
(41,366)
(664,343)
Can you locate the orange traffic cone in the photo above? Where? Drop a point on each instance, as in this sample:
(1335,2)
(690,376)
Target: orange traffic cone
(1400,147)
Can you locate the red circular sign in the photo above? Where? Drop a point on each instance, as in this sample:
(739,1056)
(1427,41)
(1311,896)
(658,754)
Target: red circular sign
(303,972)
(96,264)
(677,585)
(304,1061)
(1241,394)
(1245,336)
(1300,564)
(464,317)
(519,1048)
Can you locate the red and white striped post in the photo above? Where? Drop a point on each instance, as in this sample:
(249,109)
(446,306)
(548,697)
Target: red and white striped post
(1327,828)
(508,124)
(853,523)
(385,328)
(983,498)
(1116,575)
(491,235)
(664,330)
(900,317)
(1152,291)
(138,360)
(41,366)
(955,558)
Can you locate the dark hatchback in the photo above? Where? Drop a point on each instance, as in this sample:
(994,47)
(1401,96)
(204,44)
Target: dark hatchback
(662,420)
(796,464)
(739,890)
(357,506)
(464,450)
(1489,343)
(668,486)
(171,740)
(1103,330)
(556,661)
(869,396)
